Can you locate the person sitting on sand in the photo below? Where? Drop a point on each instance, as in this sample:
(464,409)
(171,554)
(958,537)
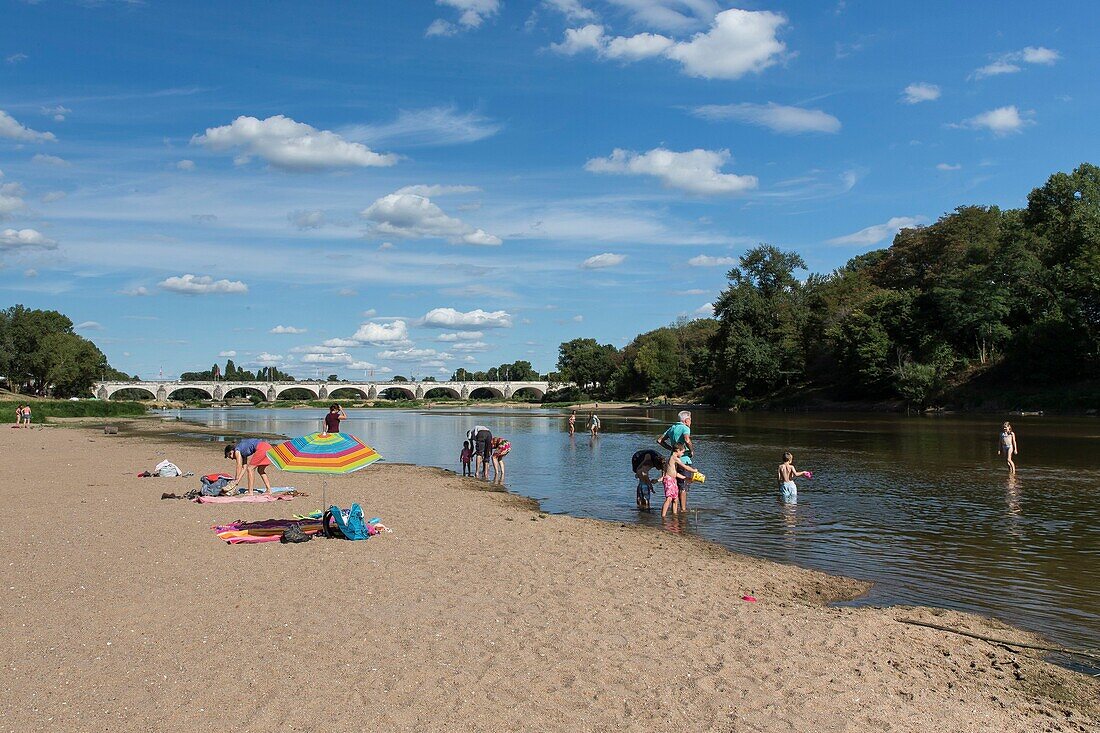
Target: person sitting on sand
(641,463)
(333,418)
(673,476)
(251,455)
(1008,446)
(787,474)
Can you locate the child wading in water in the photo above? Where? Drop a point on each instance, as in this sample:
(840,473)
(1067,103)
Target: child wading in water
(787,474)
(1008,446)
(672,472)
(466,456)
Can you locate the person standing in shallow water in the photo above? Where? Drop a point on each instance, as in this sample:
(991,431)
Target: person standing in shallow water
(333,418)
(573,422)
(1008,446)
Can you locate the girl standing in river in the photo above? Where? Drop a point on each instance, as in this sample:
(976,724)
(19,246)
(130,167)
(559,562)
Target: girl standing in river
(1008,446)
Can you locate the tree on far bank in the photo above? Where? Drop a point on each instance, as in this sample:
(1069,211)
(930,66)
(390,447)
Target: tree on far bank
(587,363)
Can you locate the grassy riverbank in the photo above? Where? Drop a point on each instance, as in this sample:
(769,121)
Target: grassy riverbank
(64,408)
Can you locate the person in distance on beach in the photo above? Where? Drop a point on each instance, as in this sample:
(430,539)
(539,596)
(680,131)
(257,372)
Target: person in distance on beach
(1008,446)
(787,474)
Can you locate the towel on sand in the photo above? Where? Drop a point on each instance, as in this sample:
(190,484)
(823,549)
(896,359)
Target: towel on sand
(245,499)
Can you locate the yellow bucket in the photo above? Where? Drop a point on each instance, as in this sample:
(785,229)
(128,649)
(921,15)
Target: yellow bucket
(698,477)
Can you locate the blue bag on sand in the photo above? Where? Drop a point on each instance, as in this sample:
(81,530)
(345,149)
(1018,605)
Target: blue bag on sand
(352,527)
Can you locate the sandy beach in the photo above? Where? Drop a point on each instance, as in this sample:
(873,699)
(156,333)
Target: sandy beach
(124,612)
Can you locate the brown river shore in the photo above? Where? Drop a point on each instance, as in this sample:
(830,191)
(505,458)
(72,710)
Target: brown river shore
(124,612)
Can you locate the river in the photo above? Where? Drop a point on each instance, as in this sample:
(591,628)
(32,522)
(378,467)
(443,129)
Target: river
(922,506)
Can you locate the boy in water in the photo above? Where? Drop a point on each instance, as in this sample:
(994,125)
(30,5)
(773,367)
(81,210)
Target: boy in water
(787,474)
(672,472)
(466,456)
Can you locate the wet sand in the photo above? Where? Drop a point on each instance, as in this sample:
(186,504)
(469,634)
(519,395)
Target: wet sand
(124,612)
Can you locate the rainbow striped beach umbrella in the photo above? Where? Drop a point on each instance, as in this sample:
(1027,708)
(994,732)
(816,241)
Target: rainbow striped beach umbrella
(323,453)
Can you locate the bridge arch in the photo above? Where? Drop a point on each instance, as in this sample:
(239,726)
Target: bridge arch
(205,391)
(354,393)
(129,393)
(486,393)
(526,392)
(280,391)
(389,393)
(237,392)
(436,393)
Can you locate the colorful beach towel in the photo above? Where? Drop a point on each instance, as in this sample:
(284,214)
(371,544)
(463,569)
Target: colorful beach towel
(245,499)
(266,530)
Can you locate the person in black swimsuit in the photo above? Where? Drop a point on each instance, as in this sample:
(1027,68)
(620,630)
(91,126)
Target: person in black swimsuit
(641,463)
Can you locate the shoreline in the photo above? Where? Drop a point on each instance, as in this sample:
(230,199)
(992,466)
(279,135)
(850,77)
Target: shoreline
(474,603)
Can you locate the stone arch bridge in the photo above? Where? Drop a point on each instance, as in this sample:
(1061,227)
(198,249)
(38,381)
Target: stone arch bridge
(162,391)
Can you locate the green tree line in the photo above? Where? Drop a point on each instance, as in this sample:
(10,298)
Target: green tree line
(1010,295)
(41,355)
(233,373)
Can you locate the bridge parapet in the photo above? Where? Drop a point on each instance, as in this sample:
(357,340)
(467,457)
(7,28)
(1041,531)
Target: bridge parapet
(162,390)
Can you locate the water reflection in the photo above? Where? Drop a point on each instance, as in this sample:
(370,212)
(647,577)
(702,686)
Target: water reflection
(922,506)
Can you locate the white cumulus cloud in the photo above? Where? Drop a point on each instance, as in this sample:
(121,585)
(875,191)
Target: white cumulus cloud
(280,329)
(382,333)
(13,130)
(227,354)
(460,336)
(571,9)
(323,358)
(303,220)
(436,189)
(607,259)
(1009,63)
(920,91)
(201,285)
(290,145)
(139,291)
(16,239)
(737,42)
(1001,121)
(50,196)
(11,198)
(695,171)
(186,165)
(706,310)
(879,232)
(708,261)
(472,13)
(948,166)
(410,354)
(776,117)
(43,159)
(470,320)
(89,326)
(411,215)
(267,359)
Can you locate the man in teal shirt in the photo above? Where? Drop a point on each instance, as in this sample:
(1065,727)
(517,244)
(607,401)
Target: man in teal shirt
(680,433)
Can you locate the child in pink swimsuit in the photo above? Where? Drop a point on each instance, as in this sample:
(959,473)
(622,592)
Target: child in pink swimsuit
(672,472)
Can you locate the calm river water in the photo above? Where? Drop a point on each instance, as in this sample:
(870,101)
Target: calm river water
(922,506)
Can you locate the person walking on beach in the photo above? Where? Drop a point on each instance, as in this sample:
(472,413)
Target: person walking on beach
(680,433)
(482,439)
(641,463)
(251,455)
(19,416)
(787,474)
(26,416)
(333,418)
(672,478)
(573,422)
(1008,446)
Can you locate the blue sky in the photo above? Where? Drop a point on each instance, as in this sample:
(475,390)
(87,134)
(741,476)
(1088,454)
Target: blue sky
(407,188)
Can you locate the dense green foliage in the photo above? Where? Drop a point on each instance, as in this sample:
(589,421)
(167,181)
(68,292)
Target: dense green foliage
(234,373)
(40,354)
(1011,296)
(78,408)
(519,371)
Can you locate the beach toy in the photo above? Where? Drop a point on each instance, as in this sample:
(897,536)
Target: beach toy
(809,474)
(750,599)
(698,477)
